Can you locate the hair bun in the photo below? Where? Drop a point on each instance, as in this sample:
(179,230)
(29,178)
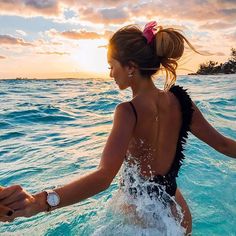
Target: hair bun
(169,43)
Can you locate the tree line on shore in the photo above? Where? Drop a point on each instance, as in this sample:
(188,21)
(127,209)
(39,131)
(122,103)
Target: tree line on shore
(213,67)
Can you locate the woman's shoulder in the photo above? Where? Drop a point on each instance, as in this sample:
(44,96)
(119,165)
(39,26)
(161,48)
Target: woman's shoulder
(163,100)
(125,108)
(167,101)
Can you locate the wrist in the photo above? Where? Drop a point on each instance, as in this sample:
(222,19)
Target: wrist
(41,202)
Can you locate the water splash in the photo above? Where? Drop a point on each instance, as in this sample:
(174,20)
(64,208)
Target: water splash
(140,213)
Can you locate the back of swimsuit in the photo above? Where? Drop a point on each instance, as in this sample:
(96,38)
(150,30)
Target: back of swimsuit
(169,180)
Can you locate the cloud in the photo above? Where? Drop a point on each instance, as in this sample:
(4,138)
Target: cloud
(2,57)
(7,39)
(123,11)
(40,4)
(82,34)
(103,15)
(229,12)
(100,11)
(29,8)
(192,11)
(231,37)
(56,43)
(54,53)
(211,53)
(113,13)
(78,34)
(220,54)
(217,25)
(21,32)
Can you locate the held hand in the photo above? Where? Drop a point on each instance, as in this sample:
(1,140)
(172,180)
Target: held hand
(20,201)
(5,211)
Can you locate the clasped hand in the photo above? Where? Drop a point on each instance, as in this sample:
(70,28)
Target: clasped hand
(16,202)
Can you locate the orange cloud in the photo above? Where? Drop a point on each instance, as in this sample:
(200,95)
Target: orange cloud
(79,34)
(210,53)
(7,39)
(82,34)
(217,25)
(123,11)
(2,57)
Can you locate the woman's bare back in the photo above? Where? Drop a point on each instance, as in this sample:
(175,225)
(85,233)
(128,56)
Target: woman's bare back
(158,113)
(155,138)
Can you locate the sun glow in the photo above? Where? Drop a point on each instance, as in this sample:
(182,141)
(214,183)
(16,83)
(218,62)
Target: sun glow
(91,56)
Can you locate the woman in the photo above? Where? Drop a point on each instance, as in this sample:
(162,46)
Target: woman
(150,130)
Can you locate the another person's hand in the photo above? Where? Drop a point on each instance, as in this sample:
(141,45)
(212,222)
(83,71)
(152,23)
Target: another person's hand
(21,202)
(5,211)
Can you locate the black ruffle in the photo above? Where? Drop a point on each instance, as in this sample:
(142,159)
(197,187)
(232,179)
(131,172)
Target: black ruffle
(187,112)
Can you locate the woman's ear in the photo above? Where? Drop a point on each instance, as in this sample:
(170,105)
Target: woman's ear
(132,66)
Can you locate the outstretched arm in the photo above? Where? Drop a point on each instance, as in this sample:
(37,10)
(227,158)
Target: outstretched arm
(86,186)
(208,134)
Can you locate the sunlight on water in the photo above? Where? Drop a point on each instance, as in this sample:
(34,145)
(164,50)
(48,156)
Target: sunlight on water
(53,131)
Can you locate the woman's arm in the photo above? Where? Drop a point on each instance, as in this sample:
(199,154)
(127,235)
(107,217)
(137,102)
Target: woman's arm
(88,185)
(208,134)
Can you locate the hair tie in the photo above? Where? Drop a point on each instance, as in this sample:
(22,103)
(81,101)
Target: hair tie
(150,31)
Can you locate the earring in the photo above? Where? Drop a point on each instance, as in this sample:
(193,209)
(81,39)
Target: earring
(130,75)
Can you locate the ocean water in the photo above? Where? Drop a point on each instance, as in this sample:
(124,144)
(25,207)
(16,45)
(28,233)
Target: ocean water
(53,131)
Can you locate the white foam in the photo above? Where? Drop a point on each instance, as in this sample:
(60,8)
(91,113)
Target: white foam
(140,215)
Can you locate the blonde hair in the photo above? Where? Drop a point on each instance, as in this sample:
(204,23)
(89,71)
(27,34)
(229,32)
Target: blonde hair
(170,46)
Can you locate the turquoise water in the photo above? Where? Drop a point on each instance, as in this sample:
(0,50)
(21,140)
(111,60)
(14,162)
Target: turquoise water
(53,131)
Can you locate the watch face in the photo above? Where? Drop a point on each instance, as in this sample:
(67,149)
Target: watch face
(53,199)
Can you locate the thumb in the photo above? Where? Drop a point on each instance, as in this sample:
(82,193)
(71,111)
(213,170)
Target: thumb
(5,211)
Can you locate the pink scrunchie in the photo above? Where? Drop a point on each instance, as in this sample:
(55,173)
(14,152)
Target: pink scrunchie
(150,31)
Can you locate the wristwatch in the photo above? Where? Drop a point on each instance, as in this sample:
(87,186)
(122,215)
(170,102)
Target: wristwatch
(52,199)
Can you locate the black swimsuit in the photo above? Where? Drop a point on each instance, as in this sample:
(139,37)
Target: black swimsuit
(168,181)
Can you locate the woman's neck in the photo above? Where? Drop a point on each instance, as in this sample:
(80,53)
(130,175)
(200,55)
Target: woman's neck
(142,85)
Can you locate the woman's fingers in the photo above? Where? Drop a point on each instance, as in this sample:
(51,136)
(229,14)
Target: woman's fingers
(16,196)
(17,199)
(8,191)
(5,211)
(19,205)
(22,209)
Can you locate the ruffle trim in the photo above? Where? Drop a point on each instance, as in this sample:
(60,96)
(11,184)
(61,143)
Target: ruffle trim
(187,113)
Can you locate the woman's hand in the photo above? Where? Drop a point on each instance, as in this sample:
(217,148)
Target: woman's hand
(5,211)
(21,202)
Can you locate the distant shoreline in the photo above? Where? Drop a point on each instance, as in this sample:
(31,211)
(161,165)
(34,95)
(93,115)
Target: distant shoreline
(89,78)
(101,79)
(212,74)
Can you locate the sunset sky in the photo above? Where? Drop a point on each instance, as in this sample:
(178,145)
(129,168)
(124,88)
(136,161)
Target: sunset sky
(66,38)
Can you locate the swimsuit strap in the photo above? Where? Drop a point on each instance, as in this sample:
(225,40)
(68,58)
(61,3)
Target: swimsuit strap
(135,112)
(187,112)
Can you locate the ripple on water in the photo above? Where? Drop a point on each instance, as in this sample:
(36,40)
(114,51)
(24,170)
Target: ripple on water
(5,125)
(54,131)
(11,135)
(19,175)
